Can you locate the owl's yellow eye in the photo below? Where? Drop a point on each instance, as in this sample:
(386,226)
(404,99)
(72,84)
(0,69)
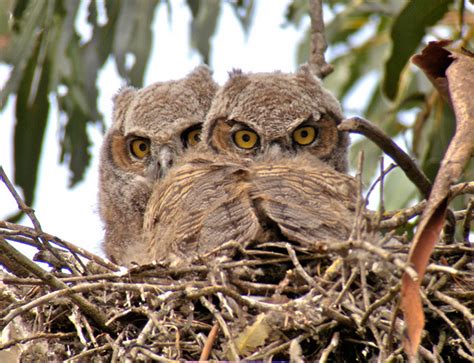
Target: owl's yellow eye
(245,139)
(191,136)
(140,147)
(194,137)
(304,135)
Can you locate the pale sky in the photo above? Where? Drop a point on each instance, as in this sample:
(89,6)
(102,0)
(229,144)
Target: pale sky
(71,214)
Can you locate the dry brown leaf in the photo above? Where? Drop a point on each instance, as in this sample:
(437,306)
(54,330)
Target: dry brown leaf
(434,60)
(458,72)
(253,336)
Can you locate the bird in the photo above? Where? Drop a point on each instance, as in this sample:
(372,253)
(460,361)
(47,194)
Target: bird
(271,115)
(272,166)
(152,128)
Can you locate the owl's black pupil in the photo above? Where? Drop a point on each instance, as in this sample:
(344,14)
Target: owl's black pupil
(304,133)
(196,137)
(142,147)
(246,137)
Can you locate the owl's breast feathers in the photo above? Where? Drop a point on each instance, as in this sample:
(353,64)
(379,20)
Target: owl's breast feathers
(206,203)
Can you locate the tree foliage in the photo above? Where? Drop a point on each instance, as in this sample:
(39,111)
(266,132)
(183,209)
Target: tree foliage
(369,40)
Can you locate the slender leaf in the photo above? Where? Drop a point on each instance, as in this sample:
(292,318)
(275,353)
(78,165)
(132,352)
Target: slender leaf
(244,11)
(21,45)
(203,26)
(31,113)
(407,31)
(75,139)
(134,27)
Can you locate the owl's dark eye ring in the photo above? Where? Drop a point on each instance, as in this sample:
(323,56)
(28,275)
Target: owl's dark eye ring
(245,139)
(139,147)
(191,136)
(305,135)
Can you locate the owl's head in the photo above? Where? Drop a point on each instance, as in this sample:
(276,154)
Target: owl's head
(155,125)
(152,128)
(270,115)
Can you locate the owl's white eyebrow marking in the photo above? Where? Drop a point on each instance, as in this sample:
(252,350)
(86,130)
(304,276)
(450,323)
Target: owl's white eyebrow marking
(311,118)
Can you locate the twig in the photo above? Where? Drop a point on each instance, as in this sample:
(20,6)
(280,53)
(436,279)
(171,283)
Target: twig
(346,287)
(392,292)
(302,272)
(444,279)
(402,216)
(448,321)
(29,212)
(206,351)
(19,201)
(386,255)
(155,357)
(318,41)
(462,188)
(146,331)
(380,179)
(456,305)
(38,336)
(328,350)
(223,325)
(281,347)
(374,133)
(466,224)
(32,233)
(87,353)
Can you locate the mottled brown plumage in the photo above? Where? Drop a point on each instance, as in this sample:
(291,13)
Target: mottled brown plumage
(270,168)
(275,107)
(209,200)
(152,129)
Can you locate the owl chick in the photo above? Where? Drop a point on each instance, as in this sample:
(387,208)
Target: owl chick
(275,115)
(210,200)
(152,128)
(274,169)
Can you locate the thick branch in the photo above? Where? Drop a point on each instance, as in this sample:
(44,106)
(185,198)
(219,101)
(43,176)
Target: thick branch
(361,126)
(86,307)
(318,41)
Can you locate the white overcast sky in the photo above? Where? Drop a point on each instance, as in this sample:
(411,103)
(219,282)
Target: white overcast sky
(72,214)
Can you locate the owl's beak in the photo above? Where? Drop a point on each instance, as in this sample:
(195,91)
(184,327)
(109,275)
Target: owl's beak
(163,162)
(276,149)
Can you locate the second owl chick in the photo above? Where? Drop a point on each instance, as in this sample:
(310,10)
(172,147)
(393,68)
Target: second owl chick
(274,169)
(152,128)
(276,115)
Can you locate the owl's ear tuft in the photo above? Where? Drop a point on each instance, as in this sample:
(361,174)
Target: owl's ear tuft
(304,72)
(235,72)
(122,101)
(201,82)
(201,73)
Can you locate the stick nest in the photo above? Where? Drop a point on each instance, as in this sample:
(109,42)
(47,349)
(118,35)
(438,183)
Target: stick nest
(336,301)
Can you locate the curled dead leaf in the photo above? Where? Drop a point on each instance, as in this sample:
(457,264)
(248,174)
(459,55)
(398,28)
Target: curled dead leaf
(455,70)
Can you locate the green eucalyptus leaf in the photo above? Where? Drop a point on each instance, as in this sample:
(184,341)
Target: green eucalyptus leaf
(203,27)
(75,141)
(438,132)
(355,64)
(21,44)
(244,11)
(296,11)
(62,35)
(31,111)
(407,31)
(133,29)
